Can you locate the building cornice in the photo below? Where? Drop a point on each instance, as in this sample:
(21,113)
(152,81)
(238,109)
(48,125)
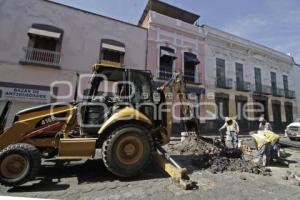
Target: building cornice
(159,20)
(214,33)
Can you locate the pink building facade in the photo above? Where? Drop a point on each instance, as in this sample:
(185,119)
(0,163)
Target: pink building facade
(175,44)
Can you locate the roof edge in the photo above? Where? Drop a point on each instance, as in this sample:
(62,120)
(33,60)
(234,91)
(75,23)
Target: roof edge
(259,46)
(149,4)
(93,13)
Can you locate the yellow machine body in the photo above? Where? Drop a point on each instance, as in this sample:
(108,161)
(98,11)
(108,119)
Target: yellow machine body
(76,148)
(126,114)
(68,148)
(27,123)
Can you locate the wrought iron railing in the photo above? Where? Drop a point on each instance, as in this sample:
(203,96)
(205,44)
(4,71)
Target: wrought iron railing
(164,75)
(243,86)
(290,94)
(192,79)
(277,92)
(224,83)
(262,89)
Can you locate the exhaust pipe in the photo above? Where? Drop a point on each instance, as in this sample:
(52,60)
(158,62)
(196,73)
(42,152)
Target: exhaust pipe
(4,114)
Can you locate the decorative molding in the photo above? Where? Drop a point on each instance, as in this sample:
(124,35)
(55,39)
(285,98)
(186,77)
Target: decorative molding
(215,34)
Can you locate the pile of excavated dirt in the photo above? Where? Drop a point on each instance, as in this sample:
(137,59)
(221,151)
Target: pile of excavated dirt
(208,154)
(220,163)
(196,146)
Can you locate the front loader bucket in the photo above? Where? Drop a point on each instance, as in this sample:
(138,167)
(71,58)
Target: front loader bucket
(4,115)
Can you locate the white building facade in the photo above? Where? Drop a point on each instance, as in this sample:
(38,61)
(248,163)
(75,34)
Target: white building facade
(296,74)
(239,73)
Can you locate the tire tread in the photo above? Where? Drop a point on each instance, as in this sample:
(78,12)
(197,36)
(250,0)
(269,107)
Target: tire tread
(114,134)
(35,162)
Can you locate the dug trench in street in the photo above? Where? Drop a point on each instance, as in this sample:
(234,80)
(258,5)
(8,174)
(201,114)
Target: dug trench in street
(90,180)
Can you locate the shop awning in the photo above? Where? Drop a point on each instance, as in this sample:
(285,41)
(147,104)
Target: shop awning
(191,58)
(113,47)
(167,53)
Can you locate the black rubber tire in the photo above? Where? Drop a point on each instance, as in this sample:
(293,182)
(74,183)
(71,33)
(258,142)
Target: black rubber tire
(109,151)
(32,156)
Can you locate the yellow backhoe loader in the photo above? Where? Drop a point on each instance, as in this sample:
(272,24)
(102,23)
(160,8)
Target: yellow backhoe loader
(126,127)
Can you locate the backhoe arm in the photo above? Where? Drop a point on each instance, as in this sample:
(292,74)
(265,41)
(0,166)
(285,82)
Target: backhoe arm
(176,87)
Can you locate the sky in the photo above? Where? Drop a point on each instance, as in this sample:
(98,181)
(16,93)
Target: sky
(273,23)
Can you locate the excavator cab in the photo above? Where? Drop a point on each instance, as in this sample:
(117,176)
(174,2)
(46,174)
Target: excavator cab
(115,87)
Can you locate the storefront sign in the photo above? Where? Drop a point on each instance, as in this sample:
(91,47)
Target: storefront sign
(24,94)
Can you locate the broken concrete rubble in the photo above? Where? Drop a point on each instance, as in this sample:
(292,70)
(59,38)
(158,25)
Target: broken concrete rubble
(209,154)
(293,177)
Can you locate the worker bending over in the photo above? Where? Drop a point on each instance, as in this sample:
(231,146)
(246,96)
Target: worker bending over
(232,131)
(267,145)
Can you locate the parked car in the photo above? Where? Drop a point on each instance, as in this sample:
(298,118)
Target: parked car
(293,130)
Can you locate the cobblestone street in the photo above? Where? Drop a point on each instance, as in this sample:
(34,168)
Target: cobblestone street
(90,180)
(176,95)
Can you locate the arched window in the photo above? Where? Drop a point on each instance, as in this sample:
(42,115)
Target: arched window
(167,57)
(112,52)
(190,62)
